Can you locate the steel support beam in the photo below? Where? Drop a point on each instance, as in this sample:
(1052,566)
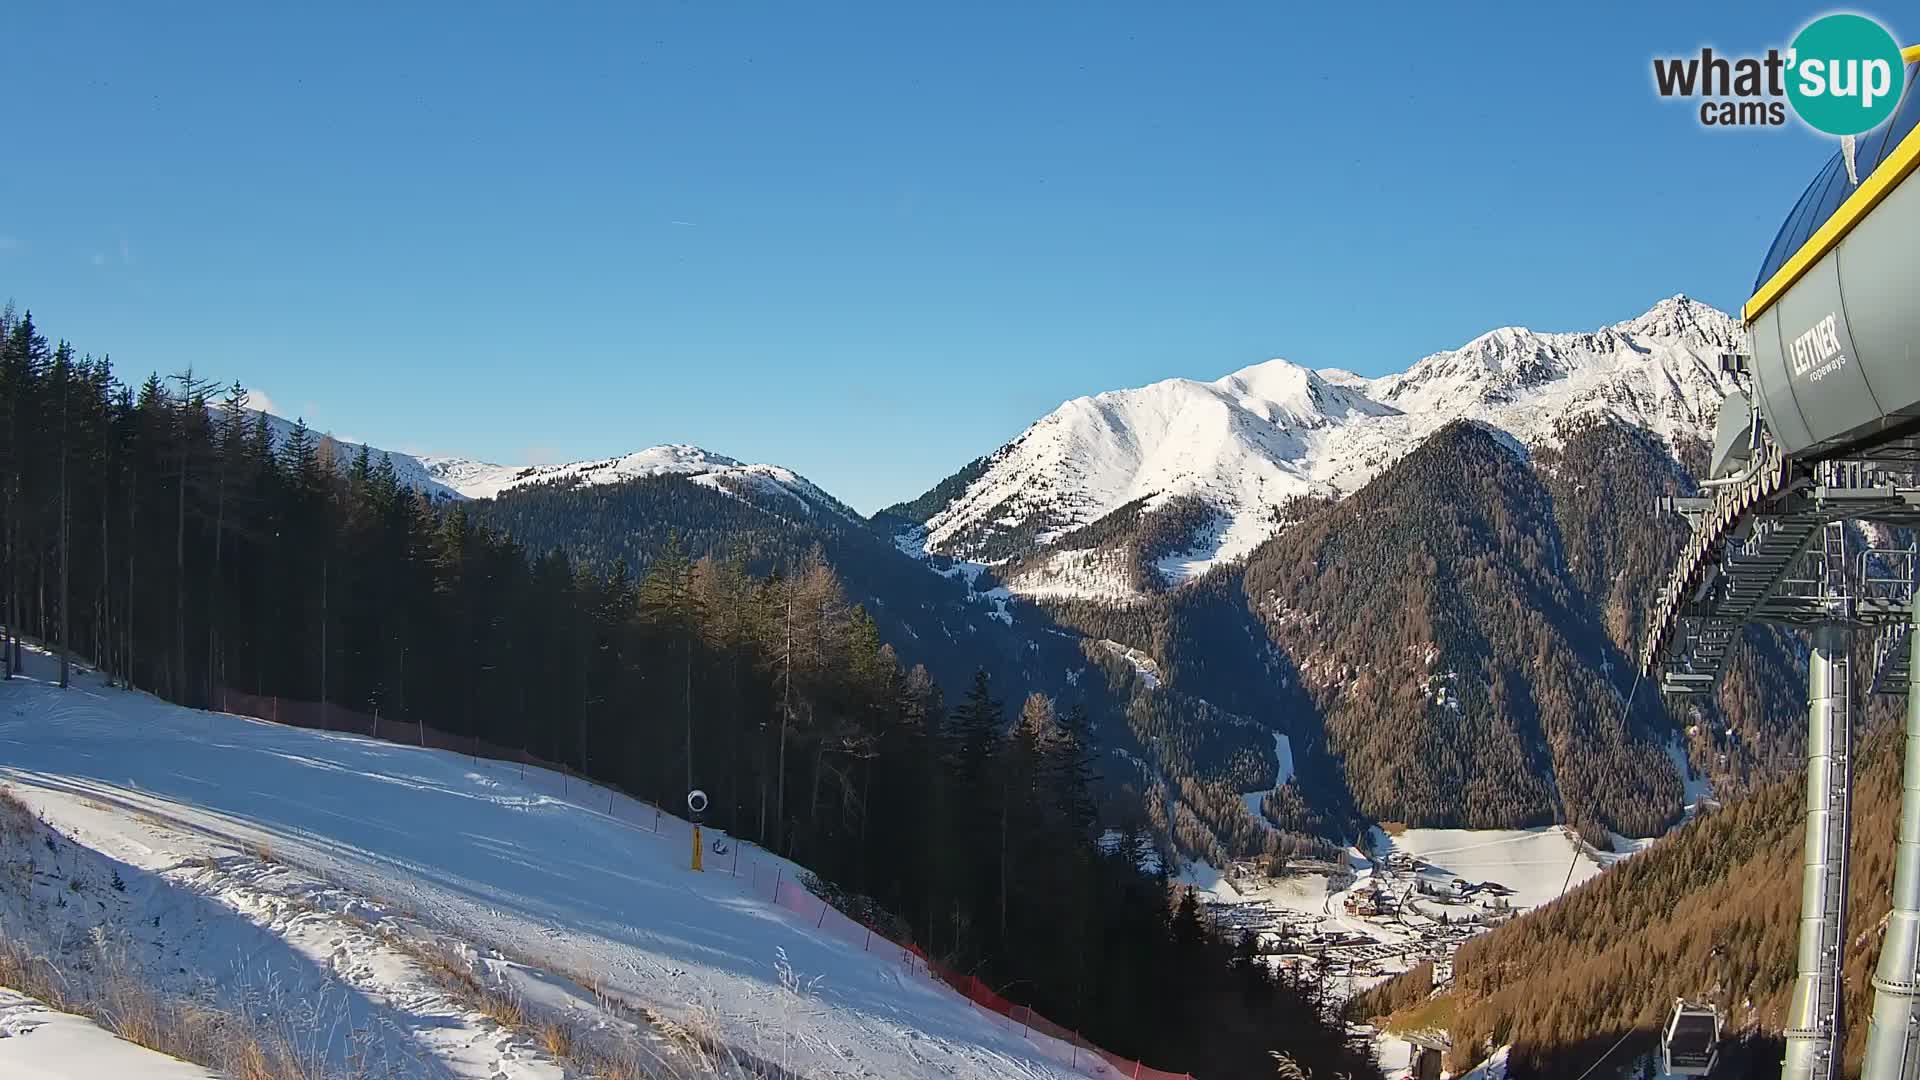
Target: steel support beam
(1893,1035)
(1815,1026)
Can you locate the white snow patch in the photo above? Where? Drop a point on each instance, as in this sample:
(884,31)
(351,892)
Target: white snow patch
(1202,878)
(1148,860)
(1089,573)
(39,1043)
(488,860)
(1143,665)
(1201,556)
(1535,863)
(1283,753)
(1696,787)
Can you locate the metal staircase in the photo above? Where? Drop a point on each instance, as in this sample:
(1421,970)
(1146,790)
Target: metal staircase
(1886,577)
(1772,546)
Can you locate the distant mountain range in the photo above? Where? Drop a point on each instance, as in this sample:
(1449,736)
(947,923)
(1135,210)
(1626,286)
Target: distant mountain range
(1428,582)
(1237,449)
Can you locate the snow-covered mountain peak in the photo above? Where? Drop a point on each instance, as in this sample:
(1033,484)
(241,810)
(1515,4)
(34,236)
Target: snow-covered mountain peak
(1287,394)
(1681,317)
(1351,380)
(677,458)
(445,477)
(484,480)
(1245,443)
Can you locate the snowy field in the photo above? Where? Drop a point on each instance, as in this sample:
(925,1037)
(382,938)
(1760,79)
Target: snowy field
(274,861)
(1535,863)
(38,1043)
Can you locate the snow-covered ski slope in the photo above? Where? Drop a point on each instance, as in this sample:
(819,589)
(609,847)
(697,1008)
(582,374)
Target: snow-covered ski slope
(1538,864)
(541,872)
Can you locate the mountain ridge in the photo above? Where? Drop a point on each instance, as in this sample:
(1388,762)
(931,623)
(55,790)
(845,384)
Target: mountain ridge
(1250,441)
(1214,474)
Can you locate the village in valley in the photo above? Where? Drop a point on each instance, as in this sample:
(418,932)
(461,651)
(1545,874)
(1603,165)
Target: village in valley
(1406,897)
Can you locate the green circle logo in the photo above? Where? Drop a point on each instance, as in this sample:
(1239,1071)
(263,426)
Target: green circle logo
(1846,74)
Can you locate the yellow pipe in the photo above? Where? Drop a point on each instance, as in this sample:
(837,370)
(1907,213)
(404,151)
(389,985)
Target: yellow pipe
(1893,169)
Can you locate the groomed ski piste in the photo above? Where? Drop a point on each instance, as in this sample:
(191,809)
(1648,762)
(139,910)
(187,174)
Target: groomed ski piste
(301,874)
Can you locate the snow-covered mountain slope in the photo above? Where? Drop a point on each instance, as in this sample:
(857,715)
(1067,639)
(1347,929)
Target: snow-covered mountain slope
(465,478)
(1243,442)
(411,470)
(306,856)
(1246,443)
(480,480)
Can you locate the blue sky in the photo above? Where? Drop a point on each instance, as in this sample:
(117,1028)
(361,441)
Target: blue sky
(869,241)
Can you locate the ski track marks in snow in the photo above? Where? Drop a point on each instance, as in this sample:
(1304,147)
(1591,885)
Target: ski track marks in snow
(472,853)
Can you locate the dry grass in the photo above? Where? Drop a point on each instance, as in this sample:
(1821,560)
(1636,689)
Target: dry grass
(106,988)
(556,1038)
(117,999)
(16,820)
(1393,828)
(694,1048)
(502,1009)
(452,973)
(236,1046)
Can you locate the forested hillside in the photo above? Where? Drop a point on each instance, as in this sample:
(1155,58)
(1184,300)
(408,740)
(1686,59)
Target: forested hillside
(163,535)
(1175,760)
(1208,645)
(1453,643)
(1604,479)
(1710,912)
(1460,675)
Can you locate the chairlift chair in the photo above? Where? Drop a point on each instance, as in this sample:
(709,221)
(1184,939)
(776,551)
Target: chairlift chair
(1690,1046)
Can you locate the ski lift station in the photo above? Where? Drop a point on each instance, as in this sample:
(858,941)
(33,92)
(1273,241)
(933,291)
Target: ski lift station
(1823,433)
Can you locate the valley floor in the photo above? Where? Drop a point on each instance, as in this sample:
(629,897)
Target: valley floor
(278,869)
(1310,903)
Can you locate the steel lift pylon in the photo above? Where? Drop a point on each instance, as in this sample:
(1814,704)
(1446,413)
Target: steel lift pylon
(1822,428)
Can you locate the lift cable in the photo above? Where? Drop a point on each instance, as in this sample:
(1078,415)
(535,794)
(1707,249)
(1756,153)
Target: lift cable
(1626,712)
(1605,1056)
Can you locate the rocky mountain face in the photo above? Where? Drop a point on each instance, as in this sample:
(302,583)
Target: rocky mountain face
(1238,450)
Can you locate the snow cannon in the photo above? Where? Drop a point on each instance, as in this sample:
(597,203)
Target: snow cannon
(697,810)
(1834,317)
